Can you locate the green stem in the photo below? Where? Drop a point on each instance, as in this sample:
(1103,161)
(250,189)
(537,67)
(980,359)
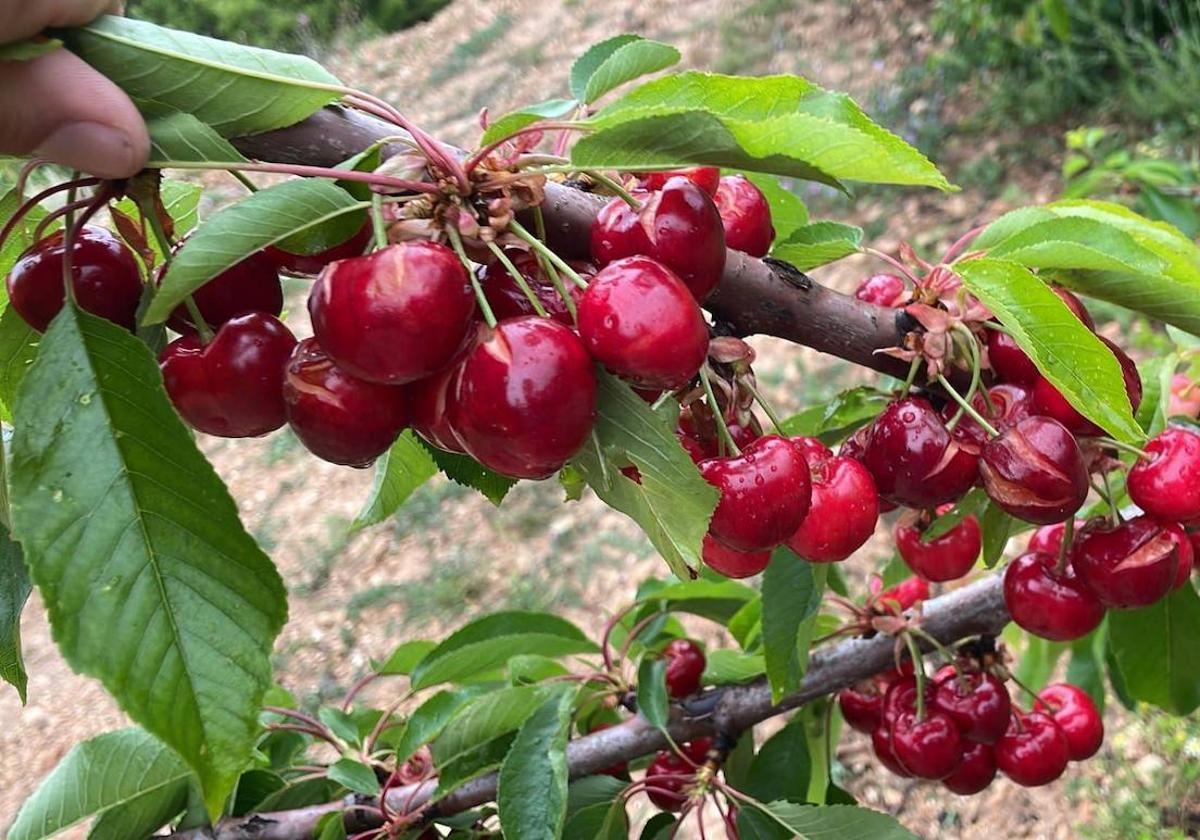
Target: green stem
(377,223)
(1114,514)
(766,407)
(68,240)
(662,400)
(918,672)
(559,285)
(911,378)
(486,308)
(201,325)
(150,214)
(1064,547)
(722,429)
(615,187)
(243,180)
(540,247)
(518,278)
(971,412)
(1126,447)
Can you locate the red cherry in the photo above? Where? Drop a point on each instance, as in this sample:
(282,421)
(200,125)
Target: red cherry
(1185,397)
(1049,401)
(339,417)
(250,286)
(1035,471)
(706,178)
(947,557)
(1131,565)
(1034,751)
(508,301)
(913,459)
(1048,539)
(1076,715)
(977,702)
(233,386)
(746,215)
(639,320)
(765,494)
(394,316)
(429,401)
(903,595)
(881,743)
(862,710)
(104,276)
(685,666)
(526,397)
(1187,553)
(1010,405)
(842,514)
(701,428)
(664,791)
(814,451)
(679,226)
(620,770)
(975,772)
(697,751)
(885,679)
(901,696)
(929,747)
(1168,485)
(733,564)
(1048,603)
(883,290)
(310,265)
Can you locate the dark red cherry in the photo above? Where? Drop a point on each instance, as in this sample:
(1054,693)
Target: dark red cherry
(685,666)
(765,494)
(639,321)
(842,514)
(1034,751)
(508,301)
(679,226)
(620,770)
(947,557)
(881,743)
(913,459)
(702,429)
(746,215)
(104,275)
(706,178)
(904,595)
(901,696)
(977,702)
(1168,485)
(310,265)
(526,397)
(697,750)
(733,564)
(975,772)
(1035,471)
(1009,405)
(1076,715)
(250,286)
(862,709)
(666,778)
(339,417)
(1049,401)
(1187,553)
(1048,603)
(233,386)
(394,316)
(883,290)
(1131,565)
(429,402)
(1048,539)
(885,679)
(929,747)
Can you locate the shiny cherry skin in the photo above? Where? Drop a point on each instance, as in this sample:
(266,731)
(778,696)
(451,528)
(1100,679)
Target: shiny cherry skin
(430,408)
(913,459)
(1048,539)
(508,301)
(814,451)
(702,430)
(947,557)
(707,178)
(639,321)
(1034,751)
(746,215)
(337,416)
(1035,471)
(232,386)
(1187,553)
(1010,405)
(901,696)
(881,743)
(667,793)
(975,772)
(310,265)
(1185,397)
(977,702)
(1049,401)
(765,494)
(929,747)
(394,316)
(685,666)
(732,564)
(104,276)
(250,286)
(1168,485)
(883,290)
(1049,603)
(861,709)
(1076,715)
(679,226)
(526,397)
(904,595)
(842,514)
(1131,565)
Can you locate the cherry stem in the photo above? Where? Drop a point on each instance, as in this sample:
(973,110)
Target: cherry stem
(971,412)
(538,127)
(663,399)
(893,262)
(632,635)
(912,377)
(539,223)
(68,244)
(615,187)
(722,428)
(434,152)
(243,180)
(918,671)
(962,243)
(26,206)
(26,172)
(66,210)
(942,650)
(766,407)
(1126,447)
(1064,547)
(486,308)
(372,178)
(518,278)
(541,247)
(1113,512)
(607,632)
(1022,686)
(378,224)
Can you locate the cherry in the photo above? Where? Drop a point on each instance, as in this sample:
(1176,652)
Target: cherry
(667,793)
(855,446)
(620,770)
(975,772)
(814,451)
(732,564)
(881,743)
(429,401)
(862,709)
(1035,471)
(765,494)
(697,750)
(901,696)
(701,428)
(1076,715)
(842,514)
(233,386)
(746,215)
(679,226)
(1168,484)
(104,276)
(1185,397)
(1049,401)
(977,702)
(904,595)
(1010,405)
(913,459)
(249,286)
(526,397)
(929,747)
(883,290)
(885,679)
(947,557)
(639,320)
(508,301)
(1010,362)
(1187,553)
(685,666)
(339,417)
(1034,751)
(1133,564)
(310,265)
(1048,539)
(1050,603)
(707,178)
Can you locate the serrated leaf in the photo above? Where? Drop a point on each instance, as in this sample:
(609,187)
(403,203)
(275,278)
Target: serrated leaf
(339,723)
(18,348)
(725,665)
(836,419)
(1155,648)
(431,717)
(971,504)
(237,90)
(114,770)
(467,472)
(718,600)
(354,775)
(404,658)
(14,591)
(788,212)
(791,597)
(587,64)
(818,243)
(824,822)
(182,203)
(746,624)
(996,527)
(1064,350)
(1077,243)
(177,138)
(29,49)
(402,469)
(489,717)
(513,121)
(22,235)
(532,788)
(151,583)
(652,700)
(627,62)
(264,218)
(782,767)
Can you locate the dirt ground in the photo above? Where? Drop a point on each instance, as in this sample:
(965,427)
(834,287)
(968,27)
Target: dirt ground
(449,554)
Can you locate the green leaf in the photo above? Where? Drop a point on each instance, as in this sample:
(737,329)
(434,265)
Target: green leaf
(254,786)
(969,505)
(331,827)
(673,503)
(652,700)
(600,821)
(18,347)
(151,583)
(788,212)
(467,472)
(21,237)
(783,766)
(340,723)
(1085,668)
(182,203)
(746,624)
(592,790)
(659,827)
(300,795)
(1077,243)
(235,89)
(487,718)
(532,791)
(529,668)
(401,470)
(404,658)
(791,597)
(551,109)
(354,776)
(718,600)
(838,418)
(14,590)
(264,218)
(29,49)
(822,822)
(627,62)
(177,138)
(725,665)
(126,768)
(431,717)
(997,526)
(1064,350)
(817,244)
(1038,660)
(587,64)
(487,643)
(1155,648)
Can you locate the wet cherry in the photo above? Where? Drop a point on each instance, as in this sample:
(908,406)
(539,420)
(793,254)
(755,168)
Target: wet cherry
(1049,603)
(1133,564)
(685,666)
(1168,484)
(746,215)
(765,494)
(1034,751)
(508,301)
(913,459)
(1076,715)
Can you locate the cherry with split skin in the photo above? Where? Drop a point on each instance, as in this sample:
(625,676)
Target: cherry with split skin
(1035,471)
(685,666)
(1127,564)
(913,459)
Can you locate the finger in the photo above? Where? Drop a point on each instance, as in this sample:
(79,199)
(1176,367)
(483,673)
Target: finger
(64,110)
(25,18)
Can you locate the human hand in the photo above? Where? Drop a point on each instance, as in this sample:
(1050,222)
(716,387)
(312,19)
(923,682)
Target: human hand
(59,108)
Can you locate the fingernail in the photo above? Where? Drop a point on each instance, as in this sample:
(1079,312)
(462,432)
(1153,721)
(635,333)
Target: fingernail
(94,148)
